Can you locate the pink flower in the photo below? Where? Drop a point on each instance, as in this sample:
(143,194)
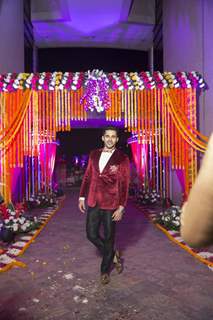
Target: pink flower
(67,86)
(148,86)
(159,85)
(10,87)
(34,80)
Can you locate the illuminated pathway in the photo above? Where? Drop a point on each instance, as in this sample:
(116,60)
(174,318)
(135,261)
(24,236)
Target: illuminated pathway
(61,281)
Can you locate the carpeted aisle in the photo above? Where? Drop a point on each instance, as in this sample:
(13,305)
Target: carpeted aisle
(61,281)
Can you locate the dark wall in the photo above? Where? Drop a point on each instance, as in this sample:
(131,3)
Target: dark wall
(28,38)
(83,59)
(82,141)
(158,36)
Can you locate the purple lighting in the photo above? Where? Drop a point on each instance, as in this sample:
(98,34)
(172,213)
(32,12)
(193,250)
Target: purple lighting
(86,19)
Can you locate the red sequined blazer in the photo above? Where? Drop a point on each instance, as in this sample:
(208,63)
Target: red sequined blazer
(108,189)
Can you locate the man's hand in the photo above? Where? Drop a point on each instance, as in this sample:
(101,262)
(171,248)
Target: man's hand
(118,214)
(82,206)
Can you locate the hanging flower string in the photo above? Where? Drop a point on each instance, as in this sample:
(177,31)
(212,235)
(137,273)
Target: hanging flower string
(96,93)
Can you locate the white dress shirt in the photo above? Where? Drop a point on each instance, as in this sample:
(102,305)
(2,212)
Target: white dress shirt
(104,158)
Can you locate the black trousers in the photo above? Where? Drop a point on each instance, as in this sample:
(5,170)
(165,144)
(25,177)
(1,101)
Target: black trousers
(95,218)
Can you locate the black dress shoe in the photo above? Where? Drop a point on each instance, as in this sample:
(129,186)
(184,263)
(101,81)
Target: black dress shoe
(117,262)
(105,278)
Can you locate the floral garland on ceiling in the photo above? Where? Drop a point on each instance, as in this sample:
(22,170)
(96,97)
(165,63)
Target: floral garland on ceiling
(99,80)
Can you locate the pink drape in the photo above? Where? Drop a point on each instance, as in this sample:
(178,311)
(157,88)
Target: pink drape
(139,152)
(47,161)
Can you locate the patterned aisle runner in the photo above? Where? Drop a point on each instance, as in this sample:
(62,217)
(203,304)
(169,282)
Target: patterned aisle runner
(204,255)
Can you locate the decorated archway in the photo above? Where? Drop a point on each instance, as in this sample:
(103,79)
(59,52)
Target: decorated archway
(159,109)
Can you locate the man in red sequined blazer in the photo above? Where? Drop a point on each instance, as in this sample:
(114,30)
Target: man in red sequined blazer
(105,185)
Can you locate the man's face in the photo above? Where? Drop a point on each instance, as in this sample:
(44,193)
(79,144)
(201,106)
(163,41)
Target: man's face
(110,139)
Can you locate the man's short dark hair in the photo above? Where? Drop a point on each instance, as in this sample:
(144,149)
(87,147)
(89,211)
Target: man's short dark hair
(110,128)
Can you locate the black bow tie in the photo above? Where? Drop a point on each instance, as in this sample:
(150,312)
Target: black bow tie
(108,150)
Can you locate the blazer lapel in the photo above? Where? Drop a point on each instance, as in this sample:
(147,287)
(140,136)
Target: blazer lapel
(112,160)
(97,158)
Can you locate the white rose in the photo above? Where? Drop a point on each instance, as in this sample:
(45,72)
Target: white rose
(176,223)
(15,227)
(22,220)
(23,227)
